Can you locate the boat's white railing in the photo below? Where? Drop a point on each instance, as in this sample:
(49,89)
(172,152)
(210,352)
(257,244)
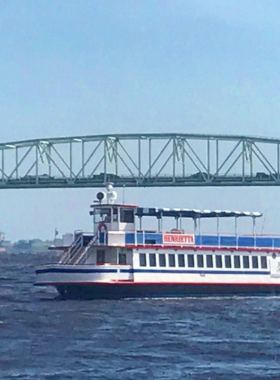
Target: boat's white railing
(237,240)
(81,257)
(72,251)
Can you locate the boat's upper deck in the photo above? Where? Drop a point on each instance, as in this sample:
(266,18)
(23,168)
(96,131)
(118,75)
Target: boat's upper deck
(123,225)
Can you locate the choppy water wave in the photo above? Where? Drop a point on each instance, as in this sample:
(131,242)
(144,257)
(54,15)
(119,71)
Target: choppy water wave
(193,338)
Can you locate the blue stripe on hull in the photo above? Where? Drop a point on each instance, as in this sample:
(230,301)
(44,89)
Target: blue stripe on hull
(174,271)
(74,270)
(199,271)
(119,291)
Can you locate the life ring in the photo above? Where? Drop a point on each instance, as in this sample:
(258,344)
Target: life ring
(102,227)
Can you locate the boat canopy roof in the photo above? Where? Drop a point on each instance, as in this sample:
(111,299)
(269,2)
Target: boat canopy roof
(193,213)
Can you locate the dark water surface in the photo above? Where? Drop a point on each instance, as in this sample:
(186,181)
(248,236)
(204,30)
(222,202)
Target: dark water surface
(203,338)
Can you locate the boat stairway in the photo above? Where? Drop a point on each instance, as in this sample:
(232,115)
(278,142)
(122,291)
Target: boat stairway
(77,253)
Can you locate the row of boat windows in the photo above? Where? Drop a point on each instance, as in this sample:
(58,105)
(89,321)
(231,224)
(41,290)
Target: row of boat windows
(208,261)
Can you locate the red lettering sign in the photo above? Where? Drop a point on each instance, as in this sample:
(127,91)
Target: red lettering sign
(181,239)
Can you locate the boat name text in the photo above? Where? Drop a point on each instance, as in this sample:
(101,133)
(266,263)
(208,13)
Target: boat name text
(178,239)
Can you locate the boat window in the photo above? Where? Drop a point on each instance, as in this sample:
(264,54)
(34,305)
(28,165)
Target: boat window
(263,262)
(171,260)
(236,261)
(190,261)
(209,261)
(115,214)
(181,260)
(143,261)
(162,260)
(227,261)
(127,215)
(152,259)
(100,256)
(246,262)
(122,258)
(102,214)
(200,261)
(255,263)
(219,263)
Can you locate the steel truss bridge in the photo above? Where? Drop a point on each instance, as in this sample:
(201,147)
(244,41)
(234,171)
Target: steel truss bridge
(140,160)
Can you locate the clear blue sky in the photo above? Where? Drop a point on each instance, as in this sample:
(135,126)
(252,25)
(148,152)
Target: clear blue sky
(88,67)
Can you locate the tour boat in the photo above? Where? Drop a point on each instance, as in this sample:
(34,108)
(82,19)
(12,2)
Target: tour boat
(122,259)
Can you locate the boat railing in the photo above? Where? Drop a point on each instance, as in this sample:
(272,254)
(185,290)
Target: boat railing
(75,247)
(220,240)
(81,256)
(246,240)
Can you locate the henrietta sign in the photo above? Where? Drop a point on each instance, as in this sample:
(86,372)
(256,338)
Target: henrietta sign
(181,239)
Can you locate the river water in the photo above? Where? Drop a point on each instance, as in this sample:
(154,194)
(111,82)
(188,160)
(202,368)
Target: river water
(42,337)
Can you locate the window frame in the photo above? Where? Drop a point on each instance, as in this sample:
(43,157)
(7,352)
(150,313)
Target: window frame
(152,263)
(228,262)
(236,260)
(219,261)
(264,260)
(142,256)
(171,255)
(190,260)
(181,260)
(161,256)
(209,261)
(255,262)
(123,212)
(100,256)
(200,260)
(122,258)
(246,258)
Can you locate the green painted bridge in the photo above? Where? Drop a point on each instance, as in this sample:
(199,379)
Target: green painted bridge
(140,160)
